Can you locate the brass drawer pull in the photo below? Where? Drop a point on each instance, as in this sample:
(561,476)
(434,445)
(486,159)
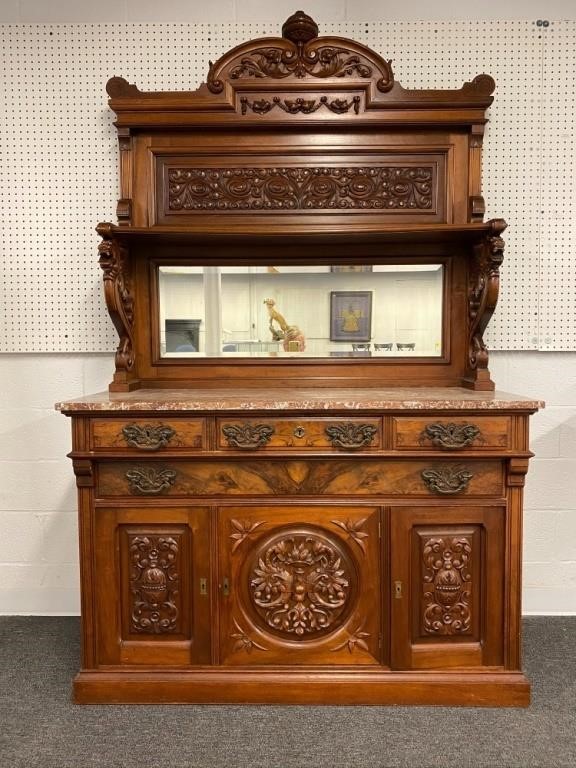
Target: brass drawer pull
(148,437)
(247,436)
(149,481)
(447,480)
(450,436)
(350,435)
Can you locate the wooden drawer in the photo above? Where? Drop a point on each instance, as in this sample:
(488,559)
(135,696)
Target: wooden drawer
(345,477)
(300,434)
(148,435)
(451,433)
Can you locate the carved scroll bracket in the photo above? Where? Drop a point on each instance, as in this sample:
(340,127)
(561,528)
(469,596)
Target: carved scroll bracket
(483,295)
(115,263)
(84,471)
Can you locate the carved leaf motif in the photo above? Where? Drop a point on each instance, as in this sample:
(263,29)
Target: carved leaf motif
(352,528)
(447,480)
(147,437)
(243,528)
(243,642)
(451,436)
(301,584)
(150,481)
(154,584)
(391,187)
(247,435)
(354,641)
(447,609)
(351,435)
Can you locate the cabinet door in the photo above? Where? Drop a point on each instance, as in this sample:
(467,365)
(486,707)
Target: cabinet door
(300,585)
(152,582)
(447,570)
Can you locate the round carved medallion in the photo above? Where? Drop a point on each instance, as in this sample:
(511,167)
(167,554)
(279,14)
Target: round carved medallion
(301,583)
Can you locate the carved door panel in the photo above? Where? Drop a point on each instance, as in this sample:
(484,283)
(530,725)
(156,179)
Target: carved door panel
(447,574)
(300,585)
(153,577)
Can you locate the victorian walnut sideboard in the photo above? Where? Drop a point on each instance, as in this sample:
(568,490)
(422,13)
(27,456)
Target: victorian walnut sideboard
(302,486)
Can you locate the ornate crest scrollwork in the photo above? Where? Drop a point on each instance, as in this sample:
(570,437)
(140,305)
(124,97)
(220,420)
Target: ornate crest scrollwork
(300,54)
(301,584)
(351,435)
(115,264)
(154,584)
(447,480)
(447,595)
(247,435)
(484,289)
(147,437)
(450,436)
(149,481)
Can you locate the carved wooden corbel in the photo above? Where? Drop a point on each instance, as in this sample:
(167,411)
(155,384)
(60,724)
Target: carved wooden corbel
(83,469)
(482,300)
(115,263)
(517,470)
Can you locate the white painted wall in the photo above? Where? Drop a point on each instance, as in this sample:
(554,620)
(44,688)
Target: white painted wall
(38,550)
(54,11)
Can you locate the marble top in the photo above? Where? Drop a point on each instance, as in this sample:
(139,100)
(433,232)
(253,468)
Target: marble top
(392,399)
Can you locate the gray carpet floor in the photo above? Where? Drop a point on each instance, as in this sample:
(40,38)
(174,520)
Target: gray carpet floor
(41,728)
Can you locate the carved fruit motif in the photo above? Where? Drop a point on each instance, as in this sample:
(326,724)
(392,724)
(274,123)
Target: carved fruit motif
(154,584)
(447,598)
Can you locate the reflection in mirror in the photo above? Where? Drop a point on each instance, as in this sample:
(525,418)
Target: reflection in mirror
(376,310)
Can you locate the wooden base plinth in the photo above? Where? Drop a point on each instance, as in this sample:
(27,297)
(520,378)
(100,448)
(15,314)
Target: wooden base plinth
(494,689)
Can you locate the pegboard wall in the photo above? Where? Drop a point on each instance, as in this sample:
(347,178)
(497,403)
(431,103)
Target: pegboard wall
(58,158)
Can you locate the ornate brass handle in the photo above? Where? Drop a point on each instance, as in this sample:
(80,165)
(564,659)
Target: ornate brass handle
(350,435)
(450,436)
(148,437)
(447,480)
(149,481)
(247,436)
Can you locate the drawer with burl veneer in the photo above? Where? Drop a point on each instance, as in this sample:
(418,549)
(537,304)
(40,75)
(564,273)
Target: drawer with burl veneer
(148,435)
(342,477)
(306,434)
(452,433)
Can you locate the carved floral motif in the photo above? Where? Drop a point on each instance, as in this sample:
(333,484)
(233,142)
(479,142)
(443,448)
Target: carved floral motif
(154,584)
(260,189)
(301,584)
(353,529)
(243,642)
(242,529)
(355,641)
(448,589)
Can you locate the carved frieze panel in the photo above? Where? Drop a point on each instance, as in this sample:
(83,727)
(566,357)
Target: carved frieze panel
(394,187)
